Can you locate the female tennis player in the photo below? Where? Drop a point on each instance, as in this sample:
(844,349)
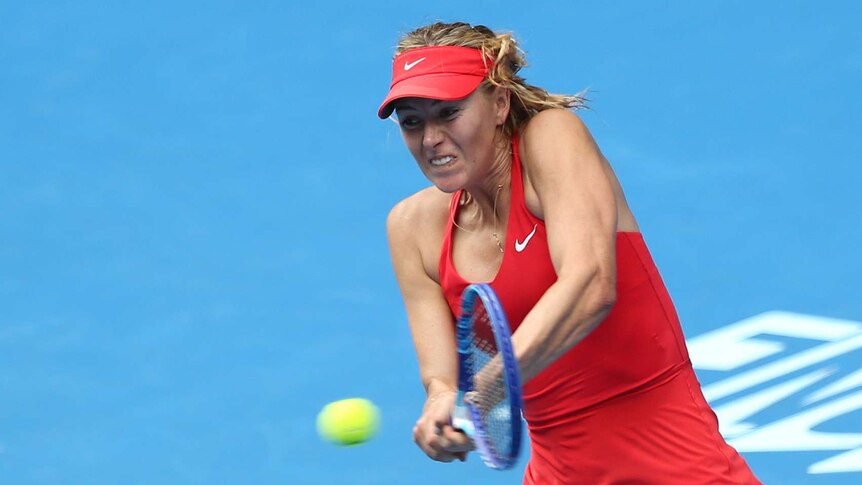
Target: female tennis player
(522,198)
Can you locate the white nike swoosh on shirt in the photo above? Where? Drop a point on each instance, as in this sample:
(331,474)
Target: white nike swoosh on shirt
(409,65)
(520,246)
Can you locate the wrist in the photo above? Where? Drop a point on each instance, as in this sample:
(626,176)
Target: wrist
(437,396)
(435,387)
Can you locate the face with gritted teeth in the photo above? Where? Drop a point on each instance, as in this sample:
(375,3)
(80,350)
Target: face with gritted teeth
(453,141)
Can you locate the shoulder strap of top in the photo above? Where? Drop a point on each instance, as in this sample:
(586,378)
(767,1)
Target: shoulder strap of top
(445,250)
(453,205)
(517,177)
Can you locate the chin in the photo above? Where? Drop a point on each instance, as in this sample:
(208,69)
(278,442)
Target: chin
(447,188)
(448,185)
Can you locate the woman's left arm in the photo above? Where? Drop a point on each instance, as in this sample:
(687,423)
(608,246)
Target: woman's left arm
(565,169)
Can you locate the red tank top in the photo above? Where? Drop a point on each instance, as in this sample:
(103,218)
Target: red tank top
(638,347)
(639,343)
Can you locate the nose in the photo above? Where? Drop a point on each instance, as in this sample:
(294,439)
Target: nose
(432,135)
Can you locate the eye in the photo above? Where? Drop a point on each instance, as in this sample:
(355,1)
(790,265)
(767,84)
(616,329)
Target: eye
(409,122)
(449,112)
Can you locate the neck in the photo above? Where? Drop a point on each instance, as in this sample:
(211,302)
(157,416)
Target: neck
(493,189)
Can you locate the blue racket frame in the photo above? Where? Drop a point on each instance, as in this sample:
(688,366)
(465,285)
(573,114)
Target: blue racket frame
(466,416)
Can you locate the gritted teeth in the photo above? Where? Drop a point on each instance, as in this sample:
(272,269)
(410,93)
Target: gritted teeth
(442,160)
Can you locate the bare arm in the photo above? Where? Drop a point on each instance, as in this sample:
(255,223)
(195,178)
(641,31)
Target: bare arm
(432,328)
(576,199)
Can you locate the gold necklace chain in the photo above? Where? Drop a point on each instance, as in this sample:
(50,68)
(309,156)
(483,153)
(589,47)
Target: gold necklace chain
(496,237)
(495,234)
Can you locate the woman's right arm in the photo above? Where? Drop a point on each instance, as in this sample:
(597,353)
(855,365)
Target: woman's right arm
(432,328)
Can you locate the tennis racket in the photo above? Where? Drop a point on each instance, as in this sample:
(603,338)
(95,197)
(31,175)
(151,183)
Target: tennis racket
(488,404)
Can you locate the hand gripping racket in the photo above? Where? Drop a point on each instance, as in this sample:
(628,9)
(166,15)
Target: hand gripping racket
(488,405)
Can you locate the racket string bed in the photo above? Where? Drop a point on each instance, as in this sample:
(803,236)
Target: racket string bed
(489,402)
(489,396)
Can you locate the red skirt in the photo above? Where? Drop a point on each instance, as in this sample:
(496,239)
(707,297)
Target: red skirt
(665,435)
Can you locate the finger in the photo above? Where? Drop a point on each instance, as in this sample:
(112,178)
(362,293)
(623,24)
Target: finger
(450,441)
(432,443)
(444,457)
(437,451)
(456,441)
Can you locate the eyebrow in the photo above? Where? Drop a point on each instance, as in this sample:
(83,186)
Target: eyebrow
(406,106)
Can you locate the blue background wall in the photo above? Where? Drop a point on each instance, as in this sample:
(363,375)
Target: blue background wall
(193,195)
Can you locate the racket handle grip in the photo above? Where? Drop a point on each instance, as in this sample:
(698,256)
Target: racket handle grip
(461,416)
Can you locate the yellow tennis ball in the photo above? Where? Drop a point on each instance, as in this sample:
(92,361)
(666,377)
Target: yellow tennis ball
(349,421)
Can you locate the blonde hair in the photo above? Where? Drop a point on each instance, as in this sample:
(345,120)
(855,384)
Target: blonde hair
(526,100)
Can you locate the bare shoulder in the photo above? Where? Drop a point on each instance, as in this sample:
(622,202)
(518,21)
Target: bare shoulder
(555,140)
(558,126)
(428,206)
(415,228)
(419,219)
(555,115)
(558,148)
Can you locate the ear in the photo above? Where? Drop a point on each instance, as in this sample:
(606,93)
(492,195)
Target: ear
(501,97)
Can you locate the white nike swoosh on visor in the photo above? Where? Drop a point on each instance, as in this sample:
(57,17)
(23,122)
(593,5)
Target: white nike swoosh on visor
(520,246)
(410,65)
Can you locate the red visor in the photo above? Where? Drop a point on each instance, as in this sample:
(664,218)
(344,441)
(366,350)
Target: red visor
(439,72)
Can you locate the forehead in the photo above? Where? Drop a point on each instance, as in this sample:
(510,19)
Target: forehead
(416,103)
(419,104)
